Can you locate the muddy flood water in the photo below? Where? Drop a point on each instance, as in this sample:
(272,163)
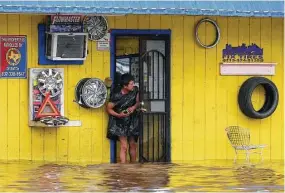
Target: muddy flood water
(205,176)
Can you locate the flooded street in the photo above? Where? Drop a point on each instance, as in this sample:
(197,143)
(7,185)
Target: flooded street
(216,176)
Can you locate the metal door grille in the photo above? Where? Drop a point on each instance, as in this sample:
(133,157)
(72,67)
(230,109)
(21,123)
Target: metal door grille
(153,138)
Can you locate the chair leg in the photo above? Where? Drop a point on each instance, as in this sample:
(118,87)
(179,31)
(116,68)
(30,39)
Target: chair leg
(235,156)
(261,154)
(247,155)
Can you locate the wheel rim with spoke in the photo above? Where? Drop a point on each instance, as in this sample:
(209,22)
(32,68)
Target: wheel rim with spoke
(94,93)
(51,81)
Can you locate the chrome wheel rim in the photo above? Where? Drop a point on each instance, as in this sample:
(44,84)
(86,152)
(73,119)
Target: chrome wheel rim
(50,81)
(96,26)
(94,93)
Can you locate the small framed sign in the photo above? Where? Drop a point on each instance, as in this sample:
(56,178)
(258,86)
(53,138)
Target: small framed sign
(247,69)
(104,43)
(13,57)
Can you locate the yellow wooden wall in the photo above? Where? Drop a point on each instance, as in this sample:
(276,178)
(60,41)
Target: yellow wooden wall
(203,103)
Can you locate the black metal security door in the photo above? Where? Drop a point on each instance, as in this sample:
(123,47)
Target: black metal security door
(154,143)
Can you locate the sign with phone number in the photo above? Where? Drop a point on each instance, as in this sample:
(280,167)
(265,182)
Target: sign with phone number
(13,60)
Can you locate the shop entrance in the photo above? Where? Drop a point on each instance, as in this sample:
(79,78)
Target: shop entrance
(146,55)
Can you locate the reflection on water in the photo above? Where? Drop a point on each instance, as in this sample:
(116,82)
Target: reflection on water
(218,176)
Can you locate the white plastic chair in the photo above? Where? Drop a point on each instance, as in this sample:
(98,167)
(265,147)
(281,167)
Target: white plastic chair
(240,141)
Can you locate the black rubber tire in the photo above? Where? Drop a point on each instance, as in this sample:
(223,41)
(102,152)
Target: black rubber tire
(245,94)
(78,89)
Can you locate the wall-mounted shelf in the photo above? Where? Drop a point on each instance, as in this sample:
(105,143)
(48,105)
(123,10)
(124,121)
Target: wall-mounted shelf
(247,69)
(69,124)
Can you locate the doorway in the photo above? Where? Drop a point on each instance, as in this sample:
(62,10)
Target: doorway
(146,55)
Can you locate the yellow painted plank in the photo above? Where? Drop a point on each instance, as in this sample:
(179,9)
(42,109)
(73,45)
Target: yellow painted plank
(62,143)
(132,21)
(37,133)
(155,22)
(165,22)
(50,151)
(111,22)
(4,101)
(232,82)
(221,97)
(120,22)
(199,104)
(25,130)
(85,153)
(210,87)
(188,88)
(144,21)
(13,100)
(97,122)
(266,44)
(243,37)
(277,123)
(254,124)
(73,114)
(62,133)
(176,89)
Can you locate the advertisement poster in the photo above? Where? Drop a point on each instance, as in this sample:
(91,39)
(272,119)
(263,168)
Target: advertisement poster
(13,57)
(65,23)
(243,53)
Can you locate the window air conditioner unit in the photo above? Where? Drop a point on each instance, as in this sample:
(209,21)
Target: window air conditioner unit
(66,46)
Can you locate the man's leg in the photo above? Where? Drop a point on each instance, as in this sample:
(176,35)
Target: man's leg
(133,149)
(124,147)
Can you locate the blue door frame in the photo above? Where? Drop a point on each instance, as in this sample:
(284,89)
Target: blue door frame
(126,32)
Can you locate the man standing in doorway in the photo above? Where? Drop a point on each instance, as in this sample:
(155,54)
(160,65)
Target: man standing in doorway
(123,118)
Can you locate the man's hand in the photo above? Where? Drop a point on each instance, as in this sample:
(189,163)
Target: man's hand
(132,109)
(123,115)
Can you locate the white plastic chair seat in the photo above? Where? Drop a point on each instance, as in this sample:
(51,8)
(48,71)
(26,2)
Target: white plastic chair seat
(248,147)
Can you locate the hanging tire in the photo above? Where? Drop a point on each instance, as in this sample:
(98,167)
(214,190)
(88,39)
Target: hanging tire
(245,94)
(78,90)
(90,93)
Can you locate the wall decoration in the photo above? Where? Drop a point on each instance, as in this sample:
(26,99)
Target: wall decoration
(245,94)
(90,93)
(46,86)
(243,53)
(248,69)
(50,81)
(13,56)
(64,23)
(218,33)
(47,102)
(96,26)
(104,43)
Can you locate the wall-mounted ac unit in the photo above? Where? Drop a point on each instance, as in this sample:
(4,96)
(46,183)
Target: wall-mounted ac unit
(66,46)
